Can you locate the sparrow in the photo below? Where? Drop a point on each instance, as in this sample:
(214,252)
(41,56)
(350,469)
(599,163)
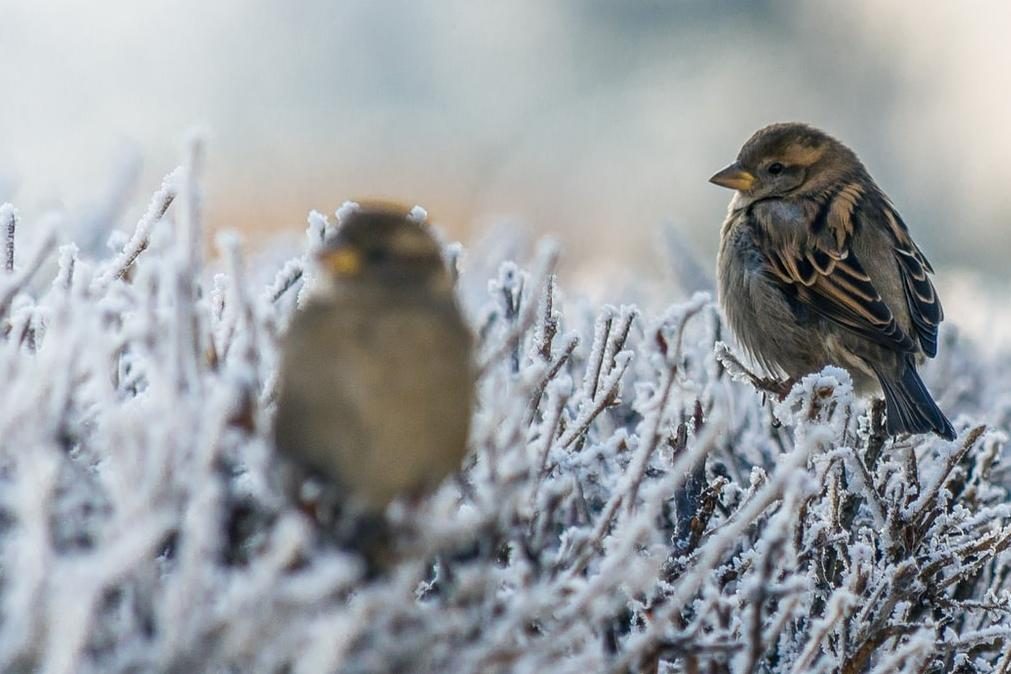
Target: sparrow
(816,267)
(376,380)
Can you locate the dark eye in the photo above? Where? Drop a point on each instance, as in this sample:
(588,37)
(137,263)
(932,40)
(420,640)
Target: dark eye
(376,255)
(775,168)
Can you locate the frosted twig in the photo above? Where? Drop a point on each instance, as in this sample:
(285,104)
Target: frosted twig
(548,327)
(67,263)
(121,264)
(143,526)
(865,486)
(22,278)
(919,508)
(563,357)
(738,372)
(544,266)
(9,221)
(672,353)
(858,661)
(289,275)
(709,555)
(191,225)
(838,606)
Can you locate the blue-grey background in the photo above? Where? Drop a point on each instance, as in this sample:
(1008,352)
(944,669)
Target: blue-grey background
(594,120)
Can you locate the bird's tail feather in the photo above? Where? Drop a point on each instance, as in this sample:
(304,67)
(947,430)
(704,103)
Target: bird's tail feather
(910,407)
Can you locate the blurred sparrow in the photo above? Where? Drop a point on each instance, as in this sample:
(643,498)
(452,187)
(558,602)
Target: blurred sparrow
(816,267)
(376,379)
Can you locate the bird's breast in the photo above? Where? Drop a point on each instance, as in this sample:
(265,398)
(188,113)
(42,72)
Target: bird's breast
(761,315)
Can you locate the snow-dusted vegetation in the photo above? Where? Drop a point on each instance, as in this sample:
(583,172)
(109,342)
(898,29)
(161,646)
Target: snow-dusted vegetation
(630,503)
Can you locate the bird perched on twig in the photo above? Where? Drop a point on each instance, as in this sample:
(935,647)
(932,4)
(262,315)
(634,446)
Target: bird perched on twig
(816,267)
(376,379)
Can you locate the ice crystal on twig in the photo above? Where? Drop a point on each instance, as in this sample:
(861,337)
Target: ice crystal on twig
(628,505)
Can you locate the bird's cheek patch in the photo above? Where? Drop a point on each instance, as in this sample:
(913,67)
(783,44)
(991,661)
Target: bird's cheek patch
(343,261)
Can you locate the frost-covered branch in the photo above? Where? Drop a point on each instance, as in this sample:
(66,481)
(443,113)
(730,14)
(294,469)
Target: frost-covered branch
(628,505)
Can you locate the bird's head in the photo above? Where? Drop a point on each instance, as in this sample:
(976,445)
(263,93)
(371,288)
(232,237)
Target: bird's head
(788,159)
(384,243)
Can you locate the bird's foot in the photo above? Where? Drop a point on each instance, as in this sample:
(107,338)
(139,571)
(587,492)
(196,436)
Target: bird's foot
(776,387)
(768,385)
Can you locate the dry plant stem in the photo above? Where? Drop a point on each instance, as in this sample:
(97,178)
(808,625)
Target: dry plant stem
(549,323)
(837,610)
(1004,667)
(609,339)
(601,341)
(604,373)
(883,600)
(545,265)
(191,216)
(8,213)
(287,282)
(1003,542)
(589,411)
(512,298)
(758,644)
(550,426)
(650,441)
(923,504)
(563,357)
(652,437)
(21,279)
(776,387)
(246,320)
(143,456)
(133,252)
(121,264)
(878,435)
(786,614)
(870,496)
(709,556)
(858,661)
(648,445)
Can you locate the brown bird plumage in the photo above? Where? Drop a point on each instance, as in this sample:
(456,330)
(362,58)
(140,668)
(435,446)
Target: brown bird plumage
(816,267)
(376,379)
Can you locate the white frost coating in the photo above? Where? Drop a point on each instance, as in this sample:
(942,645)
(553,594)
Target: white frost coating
(9,222)
(285,279)
(117,240)
(418,215)
(825,395)
(160,201)
(318,230)
(346,209)
(725,356)
(66,263)
(626,504)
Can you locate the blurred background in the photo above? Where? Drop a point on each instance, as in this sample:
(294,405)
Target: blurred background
(594,120)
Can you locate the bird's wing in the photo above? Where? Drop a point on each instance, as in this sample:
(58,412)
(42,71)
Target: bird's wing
(924,304)
(822,271)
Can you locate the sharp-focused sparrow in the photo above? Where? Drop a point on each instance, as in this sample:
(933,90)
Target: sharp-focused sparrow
(816,267)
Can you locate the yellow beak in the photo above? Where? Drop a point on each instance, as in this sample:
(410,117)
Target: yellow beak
(734,177)
(342,260)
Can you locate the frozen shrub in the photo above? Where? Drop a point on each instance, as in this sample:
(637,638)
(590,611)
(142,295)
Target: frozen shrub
(631,503)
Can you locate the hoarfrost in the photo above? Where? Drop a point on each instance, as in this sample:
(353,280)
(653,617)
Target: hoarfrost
(630,503)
